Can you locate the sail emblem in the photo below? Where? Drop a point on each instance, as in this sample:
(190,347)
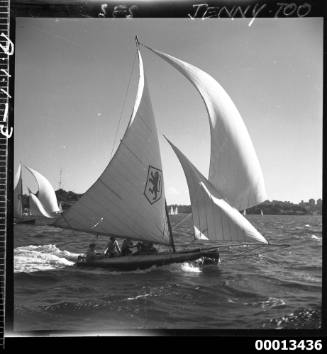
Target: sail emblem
(153,186)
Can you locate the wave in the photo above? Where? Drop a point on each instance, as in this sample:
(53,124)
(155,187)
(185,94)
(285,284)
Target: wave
(316,238)
(302,318)
(138,297)
(33,258)
(271,302)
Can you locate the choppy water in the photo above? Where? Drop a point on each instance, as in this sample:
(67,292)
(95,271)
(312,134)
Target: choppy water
(272,288)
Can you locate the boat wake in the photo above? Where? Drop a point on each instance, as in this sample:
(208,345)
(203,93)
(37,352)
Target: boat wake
(188,267)
(33,258)
(191,267)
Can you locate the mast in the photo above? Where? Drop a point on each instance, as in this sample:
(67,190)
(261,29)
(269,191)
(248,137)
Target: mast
(60,174)
(137,42)
(170,231)
(18,193)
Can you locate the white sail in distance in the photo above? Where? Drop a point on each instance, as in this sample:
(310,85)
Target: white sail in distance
(36,207)
(18,193)
(234,167)
(213,217)
(46,194)
(128,198)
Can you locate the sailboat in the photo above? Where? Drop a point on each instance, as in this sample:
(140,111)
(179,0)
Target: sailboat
(128,199)
(171,212)
(19,216)
(43,203)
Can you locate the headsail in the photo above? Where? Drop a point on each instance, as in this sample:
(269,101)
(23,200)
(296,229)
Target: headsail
(128,199)
(46,193)
(234,167)
(214,218)
(18,192)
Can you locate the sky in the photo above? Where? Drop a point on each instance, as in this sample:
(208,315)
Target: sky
(76,80)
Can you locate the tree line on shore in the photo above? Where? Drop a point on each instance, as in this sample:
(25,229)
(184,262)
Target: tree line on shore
(274,207)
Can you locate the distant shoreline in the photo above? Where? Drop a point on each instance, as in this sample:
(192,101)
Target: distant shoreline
(275,207)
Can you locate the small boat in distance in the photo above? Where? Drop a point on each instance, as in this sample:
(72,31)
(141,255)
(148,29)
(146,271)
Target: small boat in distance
(43,203)
(19,216)
(128,201)
(173,211)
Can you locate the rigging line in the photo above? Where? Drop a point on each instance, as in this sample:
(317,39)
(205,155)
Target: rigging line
(181,221)
(123,106)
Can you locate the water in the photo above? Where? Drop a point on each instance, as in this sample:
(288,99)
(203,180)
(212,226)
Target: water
(272,288)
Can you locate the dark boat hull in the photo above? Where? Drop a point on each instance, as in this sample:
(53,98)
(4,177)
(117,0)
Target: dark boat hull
(26,220)
(128,263)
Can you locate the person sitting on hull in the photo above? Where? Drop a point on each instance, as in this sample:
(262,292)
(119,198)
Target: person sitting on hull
(91,252)
(126,247)
(145,248)
(112,248)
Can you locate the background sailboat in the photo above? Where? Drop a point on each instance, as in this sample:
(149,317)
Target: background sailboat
(173,211)
(42,204)
(44,201)
(19,216)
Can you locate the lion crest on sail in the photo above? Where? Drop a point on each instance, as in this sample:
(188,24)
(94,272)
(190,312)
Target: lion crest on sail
(153,186)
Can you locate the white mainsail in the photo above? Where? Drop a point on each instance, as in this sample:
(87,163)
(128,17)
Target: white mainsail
(128,199)
(18,192)
(214,218)
(46,194)
(234,167)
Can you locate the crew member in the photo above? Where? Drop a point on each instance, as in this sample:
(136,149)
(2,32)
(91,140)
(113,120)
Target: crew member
(126,247)
(112,248)
(91,253)
(146,248)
